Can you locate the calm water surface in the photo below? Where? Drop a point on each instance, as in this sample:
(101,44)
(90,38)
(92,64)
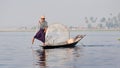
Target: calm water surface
(99,49)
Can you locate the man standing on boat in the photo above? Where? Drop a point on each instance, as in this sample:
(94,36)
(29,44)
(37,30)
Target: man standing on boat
(40,35)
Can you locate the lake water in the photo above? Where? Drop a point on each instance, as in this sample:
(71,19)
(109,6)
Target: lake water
(99,49)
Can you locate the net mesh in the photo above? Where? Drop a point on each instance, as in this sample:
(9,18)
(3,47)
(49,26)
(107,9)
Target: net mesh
(56,34)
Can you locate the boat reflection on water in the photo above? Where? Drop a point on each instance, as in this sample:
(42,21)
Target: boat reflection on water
(57,58)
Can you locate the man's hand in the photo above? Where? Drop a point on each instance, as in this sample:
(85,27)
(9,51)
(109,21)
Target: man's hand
(33,40)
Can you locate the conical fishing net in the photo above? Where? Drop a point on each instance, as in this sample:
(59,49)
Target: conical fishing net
(57,34)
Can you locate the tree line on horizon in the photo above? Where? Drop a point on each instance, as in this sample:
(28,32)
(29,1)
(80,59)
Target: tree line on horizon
(112,22)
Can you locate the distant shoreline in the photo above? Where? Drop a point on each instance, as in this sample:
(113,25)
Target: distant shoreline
(17,31)
(70,30)
(95,30)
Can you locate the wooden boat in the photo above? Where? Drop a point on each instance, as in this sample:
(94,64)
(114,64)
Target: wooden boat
(66,43)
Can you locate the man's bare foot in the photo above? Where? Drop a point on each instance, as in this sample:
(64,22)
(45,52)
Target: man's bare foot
(43,44)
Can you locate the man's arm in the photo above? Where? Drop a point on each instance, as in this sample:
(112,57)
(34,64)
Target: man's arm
(46,26)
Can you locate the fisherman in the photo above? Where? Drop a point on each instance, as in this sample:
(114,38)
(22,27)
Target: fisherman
(40,35)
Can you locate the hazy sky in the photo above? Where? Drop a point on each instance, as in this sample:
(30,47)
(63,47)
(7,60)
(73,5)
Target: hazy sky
(15,13)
